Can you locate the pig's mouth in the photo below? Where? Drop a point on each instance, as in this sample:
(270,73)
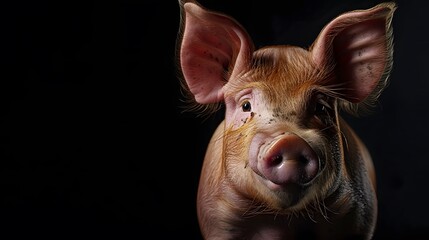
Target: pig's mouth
(287,163)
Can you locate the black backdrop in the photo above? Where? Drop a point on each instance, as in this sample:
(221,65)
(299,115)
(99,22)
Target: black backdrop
(92,136)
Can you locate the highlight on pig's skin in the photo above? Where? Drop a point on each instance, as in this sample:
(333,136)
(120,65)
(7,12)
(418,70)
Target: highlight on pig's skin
(283,163)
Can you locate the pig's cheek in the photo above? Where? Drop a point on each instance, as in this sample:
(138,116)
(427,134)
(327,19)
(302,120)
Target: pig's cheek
(240,120)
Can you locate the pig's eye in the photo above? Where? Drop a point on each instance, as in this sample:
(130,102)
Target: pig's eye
(320,109)
(321,106)
(246,107)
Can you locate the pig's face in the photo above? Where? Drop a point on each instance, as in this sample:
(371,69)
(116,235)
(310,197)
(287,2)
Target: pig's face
(282,143)
(281,139)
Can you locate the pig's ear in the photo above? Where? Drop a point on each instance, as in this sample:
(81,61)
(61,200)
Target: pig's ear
(357,47)
(213,49)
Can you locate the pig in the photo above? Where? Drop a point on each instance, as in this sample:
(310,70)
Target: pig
(283,163)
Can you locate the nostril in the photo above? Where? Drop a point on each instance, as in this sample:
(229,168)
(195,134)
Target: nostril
(276,160)
(303,160)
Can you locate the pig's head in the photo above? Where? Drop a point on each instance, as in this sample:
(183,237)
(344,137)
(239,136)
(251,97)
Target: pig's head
(282,139)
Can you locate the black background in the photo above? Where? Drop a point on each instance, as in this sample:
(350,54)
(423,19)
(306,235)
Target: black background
(93,140)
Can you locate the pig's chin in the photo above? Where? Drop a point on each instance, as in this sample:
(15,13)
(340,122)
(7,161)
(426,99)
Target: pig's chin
(285,196)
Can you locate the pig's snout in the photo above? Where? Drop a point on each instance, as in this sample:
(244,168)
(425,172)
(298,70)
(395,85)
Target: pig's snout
(289,160)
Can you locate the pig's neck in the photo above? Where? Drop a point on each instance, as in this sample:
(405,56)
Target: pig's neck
(336,220)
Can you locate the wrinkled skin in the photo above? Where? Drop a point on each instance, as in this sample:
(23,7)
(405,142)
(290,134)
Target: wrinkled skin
(283,164)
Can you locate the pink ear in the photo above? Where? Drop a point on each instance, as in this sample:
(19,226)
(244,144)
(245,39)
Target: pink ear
(359,46)
(214,49)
